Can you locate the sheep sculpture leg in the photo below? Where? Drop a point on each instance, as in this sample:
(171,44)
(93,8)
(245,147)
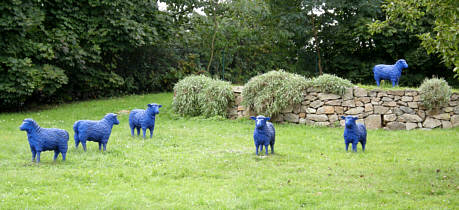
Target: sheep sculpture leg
(38,156)
(34,154)
(56,153)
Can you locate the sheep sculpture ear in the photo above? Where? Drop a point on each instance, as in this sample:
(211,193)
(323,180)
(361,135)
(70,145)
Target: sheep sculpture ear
(159,106)
(149,105)
(253,118)
(267,118)
(355,118)
(342,117)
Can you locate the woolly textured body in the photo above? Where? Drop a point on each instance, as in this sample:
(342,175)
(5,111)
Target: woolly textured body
(144,119)
(45,139)
(264,134)
(389,72)
(354,133)
(97,131)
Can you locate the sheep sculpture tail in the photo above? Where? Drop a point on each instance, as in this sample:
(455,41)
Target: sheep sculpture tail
(76,136)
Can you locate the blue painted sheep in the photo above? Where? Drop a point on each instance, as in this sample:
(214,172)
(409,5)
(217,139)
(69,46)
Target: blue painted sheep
(45,139)
(354,133)
(139,118)
(98,131)
(264,134)
(389,72)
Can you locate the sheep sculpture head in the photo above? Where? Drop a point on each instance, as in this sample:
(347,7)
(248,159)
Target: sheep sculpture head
(153,109)
(260,121)
(112,118)
(28,125)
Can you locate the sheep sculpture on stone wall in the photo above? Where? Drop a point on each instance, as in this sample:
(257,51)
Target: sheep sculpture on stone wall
(264,134)
(389,72)
(354,133)
(145,119)
(97,131)
(45,139)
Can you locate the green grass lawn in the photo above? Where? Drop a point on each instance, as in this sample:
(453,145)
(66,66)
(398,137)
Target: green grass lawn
(198,163)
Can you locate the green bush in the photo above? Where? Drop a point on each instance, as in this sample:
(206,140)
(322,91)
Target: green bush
(331,84)
(434,93)
(270,93)
(201,95)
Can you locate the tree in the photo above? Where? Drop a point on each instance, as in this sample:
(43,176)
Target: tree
(409,14)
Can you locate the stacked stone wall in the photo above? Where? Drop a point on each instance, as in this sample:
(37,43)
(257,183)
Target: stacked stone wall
(392,109)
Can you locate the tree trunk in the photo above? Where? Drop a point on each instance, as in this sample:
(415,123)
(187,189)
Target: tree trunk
(316,43)
(213,38)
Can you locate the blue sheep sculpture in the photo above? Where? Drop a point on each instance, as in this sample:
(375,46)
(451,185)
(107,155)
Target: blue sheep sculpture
(389,72)
(45,139)
(354,133)
(264,134)
(145,119)
(97,131)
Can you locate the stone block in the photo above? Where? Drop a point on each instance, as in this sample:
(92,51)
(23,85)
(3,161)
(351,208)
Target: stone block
(456,110)
(358,103)
(310,111)
(455,120)
(390,103)
(339,110)
(431,123)
(317,118)
(290,117)
(324,96)
(368,108)
(373,122)
(389,117)
(413,105)
(446,124)
(310,97)
(240,108)
(407,98)
(348,103)
(417,98)
(387,99)
(302,115)
(333,102)
(410,118)
(411,93)
(396,92)
(365,100)
(406,109)
(333,118)
(380,109)
(237,89)
(348,94)
(360,92)
(326,110)
(354,111)
(302,121)
(381,94)
(411,126)
(396,126)
(278,118)
(401,103)
(316,104)
(448,109)
(443,116)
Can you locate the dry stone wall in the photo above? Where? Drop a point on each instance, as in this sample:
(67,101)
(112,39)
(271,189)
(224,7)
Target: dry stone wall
(393,109)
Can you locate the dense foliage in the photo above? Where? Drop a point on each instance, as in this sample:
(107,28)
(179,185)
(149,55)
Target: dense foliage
(52,51)
(270,93)
(434,92)
(331,84)
(201,95)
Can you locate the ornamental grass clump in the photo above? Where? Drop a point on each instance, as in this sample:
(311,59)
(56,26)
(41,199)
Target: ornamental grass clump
(331,84)
(434,93)
(270,93)
(201,95)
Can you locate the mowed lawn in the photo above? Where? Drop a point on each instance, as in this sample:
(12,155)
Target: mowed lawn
(194,163)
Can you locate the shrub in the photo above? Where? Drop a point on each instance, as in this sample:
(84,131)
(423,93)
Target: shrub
(270,93)
(331,84)
(434,92)
(201,95)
